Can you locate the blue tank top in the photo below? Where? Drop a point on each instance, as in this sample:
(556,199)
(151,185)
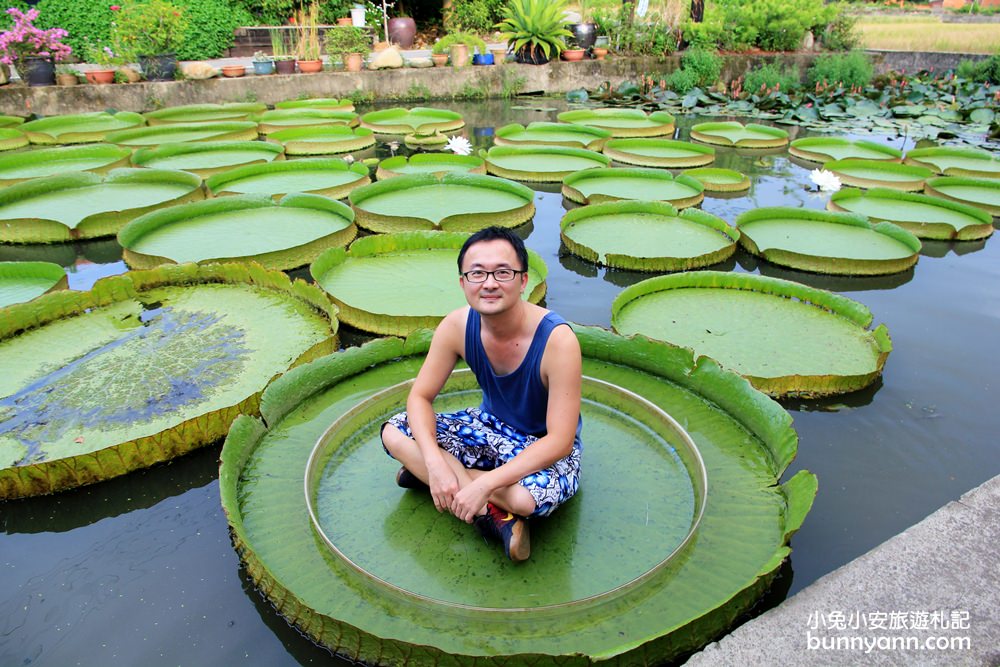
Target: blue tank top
(518,398)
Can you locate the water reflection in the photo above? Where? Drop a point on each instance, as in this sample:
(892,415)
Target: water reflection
(833,283)
(938,249)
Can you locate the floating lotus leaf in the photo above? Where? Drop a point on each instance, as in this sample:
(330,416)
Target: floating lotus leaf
(11,138)
(206,158)
(80,128)
(453,202)
(616,554)
(824,149)
(837,243)
(204,113)
(323,139)
(408,121)
(397,283)
(23,281)
(546,164)
(331,177)
(144,367)
(732,133)
(880,174)
(715,179)
(922,215)
(98,158)
(786,338)
(647,236)
(981,192)
(11,121)
(430,163)
(659,152)
(82,205)
(181,132)
(972,162)
(282,119)
(281,235)
(593,186)
(431,140)
(327,103)
(622,122)
(552,134)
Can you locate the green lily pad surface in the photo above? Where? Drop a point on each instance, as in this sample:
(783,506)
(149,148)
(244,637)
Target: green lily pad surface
(972,162)
(541,163)
(824,149)
(837,243)
(327,103)
(82,205)
(365,282)
(452,202)
(593,186)
(981,192)
(80,128)
(732,133)
(431,140)
(323,139)
(331,177)
(206,158)
(647,236)
(590,547)
(181,132)
(143,368)
(281,119)
(98,158)
(23,281)
(240,228)
(204,113)
(622,122)
(430,163)
(922,215)
(408,121)
(786,338)
(11,138)
(11,121)
(659,153)
(552,134)
(879,174)
(714,179)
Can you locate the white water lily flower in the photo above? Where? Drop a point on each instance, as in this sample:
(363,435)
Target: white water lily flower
(826,180)
(459,146)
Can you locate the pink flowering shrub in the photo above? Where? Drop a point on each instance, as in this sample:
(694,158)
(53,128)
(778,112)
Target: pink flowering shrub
(24,40)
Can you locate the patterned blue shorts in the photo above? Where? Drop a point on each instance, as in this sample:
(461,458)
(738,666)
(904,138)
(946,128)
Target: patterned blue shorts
(482,441)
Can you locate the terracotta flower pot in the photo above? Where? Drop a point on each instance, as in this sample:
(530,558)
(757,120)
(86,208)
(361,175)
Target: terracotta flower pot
(67,79)
(345,20)
(100,76)
(600,52)
(499,56)
(310,66)
(440,59)
(232,71)
(573,55)
(353,62)
(459,55)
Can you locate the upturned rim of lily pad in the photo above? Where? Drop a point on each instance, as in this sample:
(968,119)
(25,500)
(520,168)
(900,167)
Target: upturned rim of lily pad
(45,130)
(207,112)
(905,177)
(274,120)
(768,136)
(220,184)
(143,157)
(980,227)
(654,124)
(571,183)
(226,131)
(394,120)
(933,185)
(113,157)
(698,155)
(924,157)
(449,162)
(322,139)
(599,160)
(591,138)
(811,149)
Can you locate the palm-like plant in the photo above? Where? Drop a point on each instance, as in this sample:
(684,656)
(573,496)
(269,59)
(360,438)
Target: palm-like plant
(534,28)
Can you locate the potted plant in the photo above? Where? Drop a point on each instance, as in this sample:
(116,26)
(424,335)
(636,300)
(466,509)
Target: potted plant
(307,46)
(584,32)
(33,50)
(534,29)
(233,71)
(262,63)
(284,61)
(459,45)
(107,62)
(572,52)
(151,30)
(350,44)
(67,76)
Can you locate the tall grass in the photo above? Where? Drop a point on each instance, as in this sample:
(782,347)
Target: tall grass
(928,34)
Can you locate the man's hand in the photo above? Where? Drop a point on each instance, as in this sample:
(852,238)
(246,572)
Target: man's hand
(444,486)
(470,500)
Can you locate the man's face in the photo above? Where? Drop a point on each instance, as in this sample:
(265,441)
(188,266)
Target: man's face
(492,297)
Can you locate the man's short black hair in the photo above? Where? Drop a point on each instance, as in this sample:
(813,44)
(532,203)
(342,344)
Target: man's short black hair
(495,234)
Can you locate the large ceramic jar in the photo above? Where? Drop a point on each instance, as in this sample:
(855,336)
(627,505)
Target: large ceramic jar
(402,30)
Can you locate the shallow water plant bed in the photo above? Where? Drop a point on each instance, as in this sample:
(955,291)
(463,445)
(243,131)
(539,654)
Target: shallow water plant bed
(80,128)
(204,113)
(879,174)
(205,158)
(824,149)
(365,281)
(922,215)
(541,164)
(241,228)
(972,162)
(182,132)
(98,158)
(330,177)
(983,193)
(429,163)
(552,134)
(143,368)
(282,119)
(647,236)
(659,153)
(824,242)
(326,103)
(23,281)
(593,186)
(720,180)
(422,120)
(786,338)
(322,139)
(450,202)
(11,138)
(622,122)
(82,205)
(623,561)
(732,133)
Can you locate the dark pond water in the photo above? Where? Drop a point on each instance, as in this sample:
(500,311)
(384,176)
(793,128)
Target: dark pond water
(140,570)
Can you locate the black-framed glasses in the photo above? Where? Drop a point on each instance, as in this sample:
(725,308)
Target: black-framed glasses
(500,275)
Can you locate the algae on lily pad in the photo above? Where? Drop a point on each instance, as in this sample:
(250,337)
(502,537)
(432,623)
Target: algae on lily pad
(733,133)
(429,163)
(241,228)
(23,281)
(83,205)
(330,177)
(715,179)
(983,193)
(206,158)
(950,161)
(786,338)
(453,202)
(204,113)
(824,149)
(647,236)
(659,153)
(593,186)
(322,139)
(80,128)
(144,367)
(396,283)
(552,134)
(879,174)
(622,122)
(545,164)
(326,103)
(825,242)
(283,119)
(98,158)
(182,132)
(408,121)
(11,138)
(924,216)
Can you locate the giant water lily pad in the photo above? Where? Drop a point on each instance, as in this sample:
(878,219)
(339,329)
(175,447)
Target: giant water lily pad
(365,282)
(23,281)
(181,132)
(11,121)
(824,149)
(143,368)
(331,177)
(206,158)
(327,103)
(544,164)
(421,120)
(922,215)
(204,113)
(98,158)
(80,128)
(973,162)
(838,243)
(659,153)
(283,119)
(323,139)
(715,179)
(281,235)
(633,600)
(452,202)
(622,122)
(879,174)
(593,186)
(82,205)
(981,192)
(647,236)
(732,133)
(430,163)
(11,138)
(786,338)
(552,134)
